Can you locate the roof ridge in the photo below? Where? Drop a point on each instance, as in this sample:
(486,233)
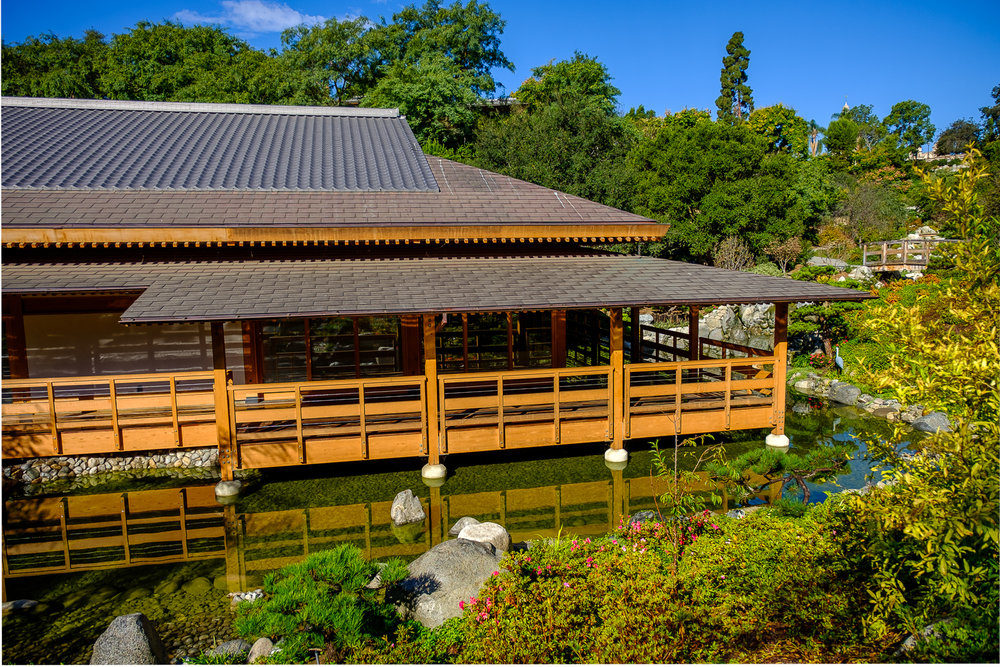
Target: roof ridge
(197,107)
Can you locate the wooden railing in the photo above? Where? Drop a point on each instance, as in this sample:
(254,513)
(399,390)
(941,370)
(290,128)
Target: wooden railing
(322,422)
(48,535)
(667,345)
(108,413)
(907,252)
(524,408)
(698,396)
(720,349)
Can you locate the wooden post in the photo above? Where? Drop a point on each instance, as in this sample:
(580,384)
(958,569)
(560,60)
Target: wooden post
(694,337)
(780,365)
(223,430)
(410,344)
(430,377)
(252,353)
(617,344)
(13,331)
(218,346)
(635,356)
(558,339)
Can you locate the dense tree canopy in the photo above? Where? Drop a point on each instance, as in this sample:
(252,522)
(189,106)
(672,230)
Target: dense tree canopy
(782,127)
(910,122)
(49,66)
(957,136)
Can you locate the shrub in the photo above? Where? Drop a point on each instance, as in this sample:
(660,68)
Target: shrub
(322,602)
(767,269)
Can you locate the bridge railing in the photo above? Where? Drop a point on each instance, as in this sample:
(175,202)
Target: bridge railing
(906,252)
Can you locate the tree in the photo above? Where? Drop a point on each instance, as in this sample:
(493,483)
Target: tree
(841,139)
(333,61)
(467,35)
(871,130)
(785,252)
(735,102)
(733,254)
(48,66)
(168,62)
(581,80)
(782,127)
(828,319)
(910,123)
(713,180)
(959,134)
(872,213)
(991,117)
(434,94)
(815,144)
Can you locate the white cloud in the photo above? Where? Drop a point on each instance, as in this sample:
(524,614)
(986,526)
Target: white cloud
(252,16)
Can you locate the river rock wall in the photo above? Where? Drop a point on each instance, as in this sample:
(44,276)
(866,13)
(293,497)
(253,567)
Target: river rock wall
(41,470)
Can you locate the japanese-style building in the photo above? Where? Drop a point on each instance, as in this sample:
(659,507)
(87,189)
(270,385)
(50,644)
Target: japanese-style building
(299,285)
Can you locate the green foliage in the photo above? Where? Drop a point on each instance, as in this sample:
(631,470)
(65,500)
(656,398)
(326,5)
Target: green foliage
(767,269)
(991,117)
(782,128)
(910,123)
(957,136)
(841,140)
(829,319)
(206,659)
(735,101)
(322,601)
(741,587)
(47,66)
(752,472)
(582,80)
(332,61)
(710,181)
(871,130)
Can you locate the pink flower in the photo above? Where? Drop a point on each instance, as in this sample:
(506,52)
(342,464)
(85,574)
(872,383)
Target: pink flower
(566,584)
(461,605)
(496,572)
(723,576)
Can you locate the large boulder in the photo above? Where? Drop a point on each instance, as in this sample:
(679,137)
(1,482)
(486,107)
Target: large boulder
(406,508)
(842,392)
(860,273)
(642,516)
(129,640)
(449,573)
(487,533)
(261,648)
(932,423)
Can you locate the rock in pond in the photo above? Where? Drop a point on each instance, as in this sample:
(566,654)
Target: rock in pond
(129,640)
(842,392)
(406,508)
(449,573)
(642,516)
(932,423)
(487,533)
(462,523)
(18,605)
(198,586)
(237,649)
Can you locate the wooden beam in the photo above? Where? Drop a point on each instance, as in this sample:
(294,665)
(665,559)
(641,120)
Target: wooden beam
(617,344)
(430,377)
(694,346)
(13,331)
(223,430)
(252,352)
(780,364)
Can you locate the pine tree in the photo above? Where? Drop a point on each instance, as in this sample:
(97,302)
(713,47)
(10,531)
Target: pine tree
(736,99)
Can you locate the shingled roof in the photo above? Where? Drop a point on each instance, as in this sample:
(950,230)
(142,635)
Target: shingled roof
(154,172)
(213,291)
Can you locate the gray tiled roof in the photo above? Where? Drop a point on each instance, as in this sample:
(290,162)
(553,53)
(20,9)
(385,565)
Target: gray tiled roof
(108,146)
(468,196)
(202,291)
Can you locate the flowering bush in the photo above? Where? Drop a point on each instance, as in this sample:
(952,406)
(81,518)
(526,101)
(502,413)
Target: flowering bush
(741,586)
(820,361)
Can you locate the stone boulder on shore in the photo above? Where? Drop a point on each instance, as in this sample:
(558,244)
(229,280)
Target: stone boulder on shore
(450,573)
(129,640)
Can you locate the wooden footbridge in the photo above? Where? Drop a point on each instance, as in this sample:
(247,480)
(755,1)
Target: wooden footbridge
(903,255)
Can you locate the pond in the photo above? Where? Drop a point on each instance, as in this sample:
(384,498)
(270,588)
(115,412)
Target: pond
(185,552)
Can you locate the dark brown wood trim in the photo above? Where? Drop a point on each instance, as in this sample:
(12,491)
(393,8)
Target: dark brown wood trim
(410,344)
(218,346)
(87,303)
(252,352)
(558,339)
(635,356)
(13,331)
(694,353)
(510,341)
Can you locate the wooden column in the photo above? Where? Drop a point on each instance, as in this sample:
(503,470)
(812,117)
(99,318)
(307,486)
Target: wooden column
(617,344)
(558,339)
(13,331)
(636,355)
(410,344)
(223,379)
(218,346)
(253,355)
(694,337)
(780,365)
(430,377)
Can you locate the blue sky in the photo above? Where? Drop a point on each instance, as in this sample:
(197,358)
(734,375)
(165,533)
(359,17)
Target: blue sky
(664,55)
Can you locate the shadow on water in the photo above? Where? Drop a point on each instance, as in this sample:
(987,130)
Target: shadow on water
(174,554)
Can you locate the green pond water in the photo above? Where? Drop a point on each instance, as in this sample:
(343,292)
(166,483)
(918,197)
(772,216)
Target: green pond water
(286,514)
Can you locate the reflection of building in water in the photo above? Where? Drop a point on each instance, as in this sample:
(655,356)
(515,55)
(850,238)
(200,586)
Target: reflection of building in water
(165,526)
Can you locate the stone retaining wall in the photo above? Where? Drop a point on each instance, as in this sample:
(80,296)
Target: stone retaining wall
(38,471)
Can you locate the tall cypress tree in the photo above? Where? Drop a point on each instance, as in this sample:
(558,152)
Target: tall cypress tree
(736,99)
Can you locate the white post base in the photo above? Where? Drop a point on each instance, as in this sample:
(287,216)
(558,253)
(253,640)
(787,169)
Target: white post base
(434,471)
(615,455)
(775,440)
